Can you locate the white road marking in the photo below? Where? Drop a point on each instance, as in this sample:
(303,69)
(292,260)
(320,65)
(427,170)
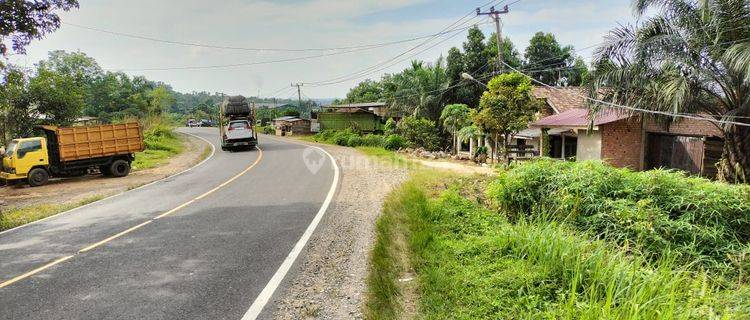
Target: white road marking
(260,302)
(213,151)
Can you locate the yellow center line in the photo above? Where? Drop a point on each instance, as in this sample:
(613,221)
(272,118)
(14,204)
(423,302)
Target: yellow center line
(129,230)
(33,272)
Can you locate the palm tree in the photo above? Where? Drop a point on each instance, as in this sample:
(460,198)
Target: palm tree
(418,90)
(692,57)
(454,116)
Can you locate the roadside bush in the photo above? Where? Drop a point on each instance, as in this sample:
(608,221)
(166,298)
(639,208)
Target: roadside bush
(269,129)
(354,141)
(161,137)
(373,140)
(662,213)
(394,142)
(472,263)
(420,132)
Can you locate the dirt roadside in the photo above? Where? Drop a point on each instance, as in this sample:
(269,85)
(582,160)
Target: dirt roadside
(329,282)
(73,190)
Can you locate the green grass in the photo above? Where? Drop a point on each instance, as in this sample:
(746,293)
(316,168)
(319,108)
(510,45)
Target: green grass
(475,261)
(161,144)
(16,217)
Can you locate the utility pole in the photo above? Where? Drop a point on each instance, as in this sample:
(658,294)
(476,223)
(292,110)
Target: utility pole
(496,16)
(299,94)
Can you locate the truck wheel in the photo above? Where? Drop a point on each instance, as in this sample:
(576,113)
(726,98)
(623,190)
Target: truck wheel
(38,177)
(119,168)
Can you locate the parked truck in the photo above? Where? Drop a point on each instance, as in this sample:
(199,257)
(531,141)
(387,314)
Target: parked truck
(236,120)
(66,152)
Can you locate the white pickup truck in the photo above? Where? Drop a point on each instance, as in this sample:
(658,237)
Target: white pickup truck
(236,124)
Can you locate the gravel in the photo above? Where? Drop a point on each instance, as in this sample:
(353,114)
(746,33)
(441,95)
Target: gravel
(329,282)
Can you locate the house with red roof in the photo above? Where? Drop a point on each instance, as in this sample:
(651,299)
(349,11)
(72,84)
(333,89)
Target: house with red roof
(620,138)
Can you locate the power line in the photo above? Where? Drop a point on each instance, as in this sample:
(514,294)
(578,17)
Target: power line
(201,45)
(366,71)
(379,67)
(372,68)
(245,64)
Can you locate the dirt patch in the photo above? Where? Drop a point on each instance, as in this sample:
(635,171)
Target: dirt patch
(73,190)
(458,167)
(330,282)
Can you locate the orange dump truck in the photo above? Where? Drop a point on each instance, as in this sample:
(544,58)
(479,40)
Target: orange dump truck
(65,152)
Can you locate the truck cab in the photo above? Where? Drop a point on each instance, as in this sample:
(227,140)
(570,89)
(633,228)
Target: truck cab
(22,156)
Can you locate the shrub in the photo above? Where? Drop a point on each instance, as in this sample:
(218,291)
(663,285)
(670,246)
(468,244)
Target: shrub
(390,126)
(341,137)
(661,212)
(420,132)
(269,129)
(373,140)
(394,142)
(354,141)
(161,137)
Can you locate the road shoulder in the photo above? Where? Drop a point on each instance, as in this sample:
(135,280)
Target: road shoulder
(65,194)
(329,281)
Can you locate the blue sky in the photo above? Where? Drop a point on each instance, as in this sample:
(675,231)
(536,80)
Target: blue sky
(298,24)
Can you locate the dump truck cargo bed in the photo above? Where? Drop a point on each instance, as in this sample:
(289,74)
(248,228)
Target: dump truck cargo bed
(78,143)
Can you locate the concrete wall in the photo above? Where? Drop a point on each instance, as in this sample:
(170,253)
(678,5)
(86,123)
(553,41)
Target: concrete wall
(589,146)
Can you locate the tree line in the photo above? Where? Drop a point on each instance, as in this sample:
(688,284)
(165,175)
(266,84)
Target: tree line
(423,88)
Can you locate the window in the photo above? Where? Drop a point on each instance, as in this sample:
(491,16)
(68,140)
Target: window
(11,148)
(238,125)
(29,146)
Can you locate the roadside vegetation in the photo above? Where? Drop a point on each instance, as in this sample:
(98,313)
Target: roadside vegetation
(560,240)
(12,218)
(161,144)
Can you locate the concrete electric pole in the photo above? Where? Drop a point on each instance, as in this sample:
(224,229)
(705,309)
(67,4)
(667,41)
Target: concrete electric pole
(299,94)
(496,16)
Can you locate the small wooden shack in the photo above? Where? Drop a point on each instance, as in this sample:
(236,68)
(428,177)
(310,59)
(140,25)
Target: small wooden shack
(290,125)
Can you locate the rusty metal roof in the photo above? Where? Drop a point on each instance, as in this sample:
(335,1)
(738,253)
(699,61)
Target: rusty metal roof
(580,118)
(562,99)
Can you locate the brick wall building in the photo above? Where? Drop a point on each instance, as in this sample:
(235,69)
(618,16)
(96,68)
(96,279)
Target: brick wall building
(627,141)
(622,143)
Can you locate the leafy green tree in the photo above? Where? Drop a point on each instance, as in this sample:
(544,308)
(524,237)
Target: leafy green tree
(14,105)
(159,100)
(506,108)
(22,21)
(546,60)
(511,55)
(476,63)
(419,132)
(78,65)
(56,96)
(291,112)
(365,91)
(454,117)
(689,57)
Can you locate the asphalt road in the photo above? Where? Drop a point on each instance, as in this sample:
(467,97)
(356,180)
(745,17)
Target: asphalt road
(207,260)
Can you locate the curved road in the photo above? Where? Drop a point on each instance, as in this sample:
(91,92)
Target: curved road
(199,245)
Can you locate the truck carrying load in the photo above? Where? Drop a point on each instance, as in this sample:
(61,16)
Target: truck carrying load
(236,124)
(75,151)
(236,106)
(76,143)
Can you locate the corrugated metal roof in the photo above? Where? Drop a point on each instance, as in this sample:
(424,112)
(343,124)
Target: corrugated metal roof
(580,118)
